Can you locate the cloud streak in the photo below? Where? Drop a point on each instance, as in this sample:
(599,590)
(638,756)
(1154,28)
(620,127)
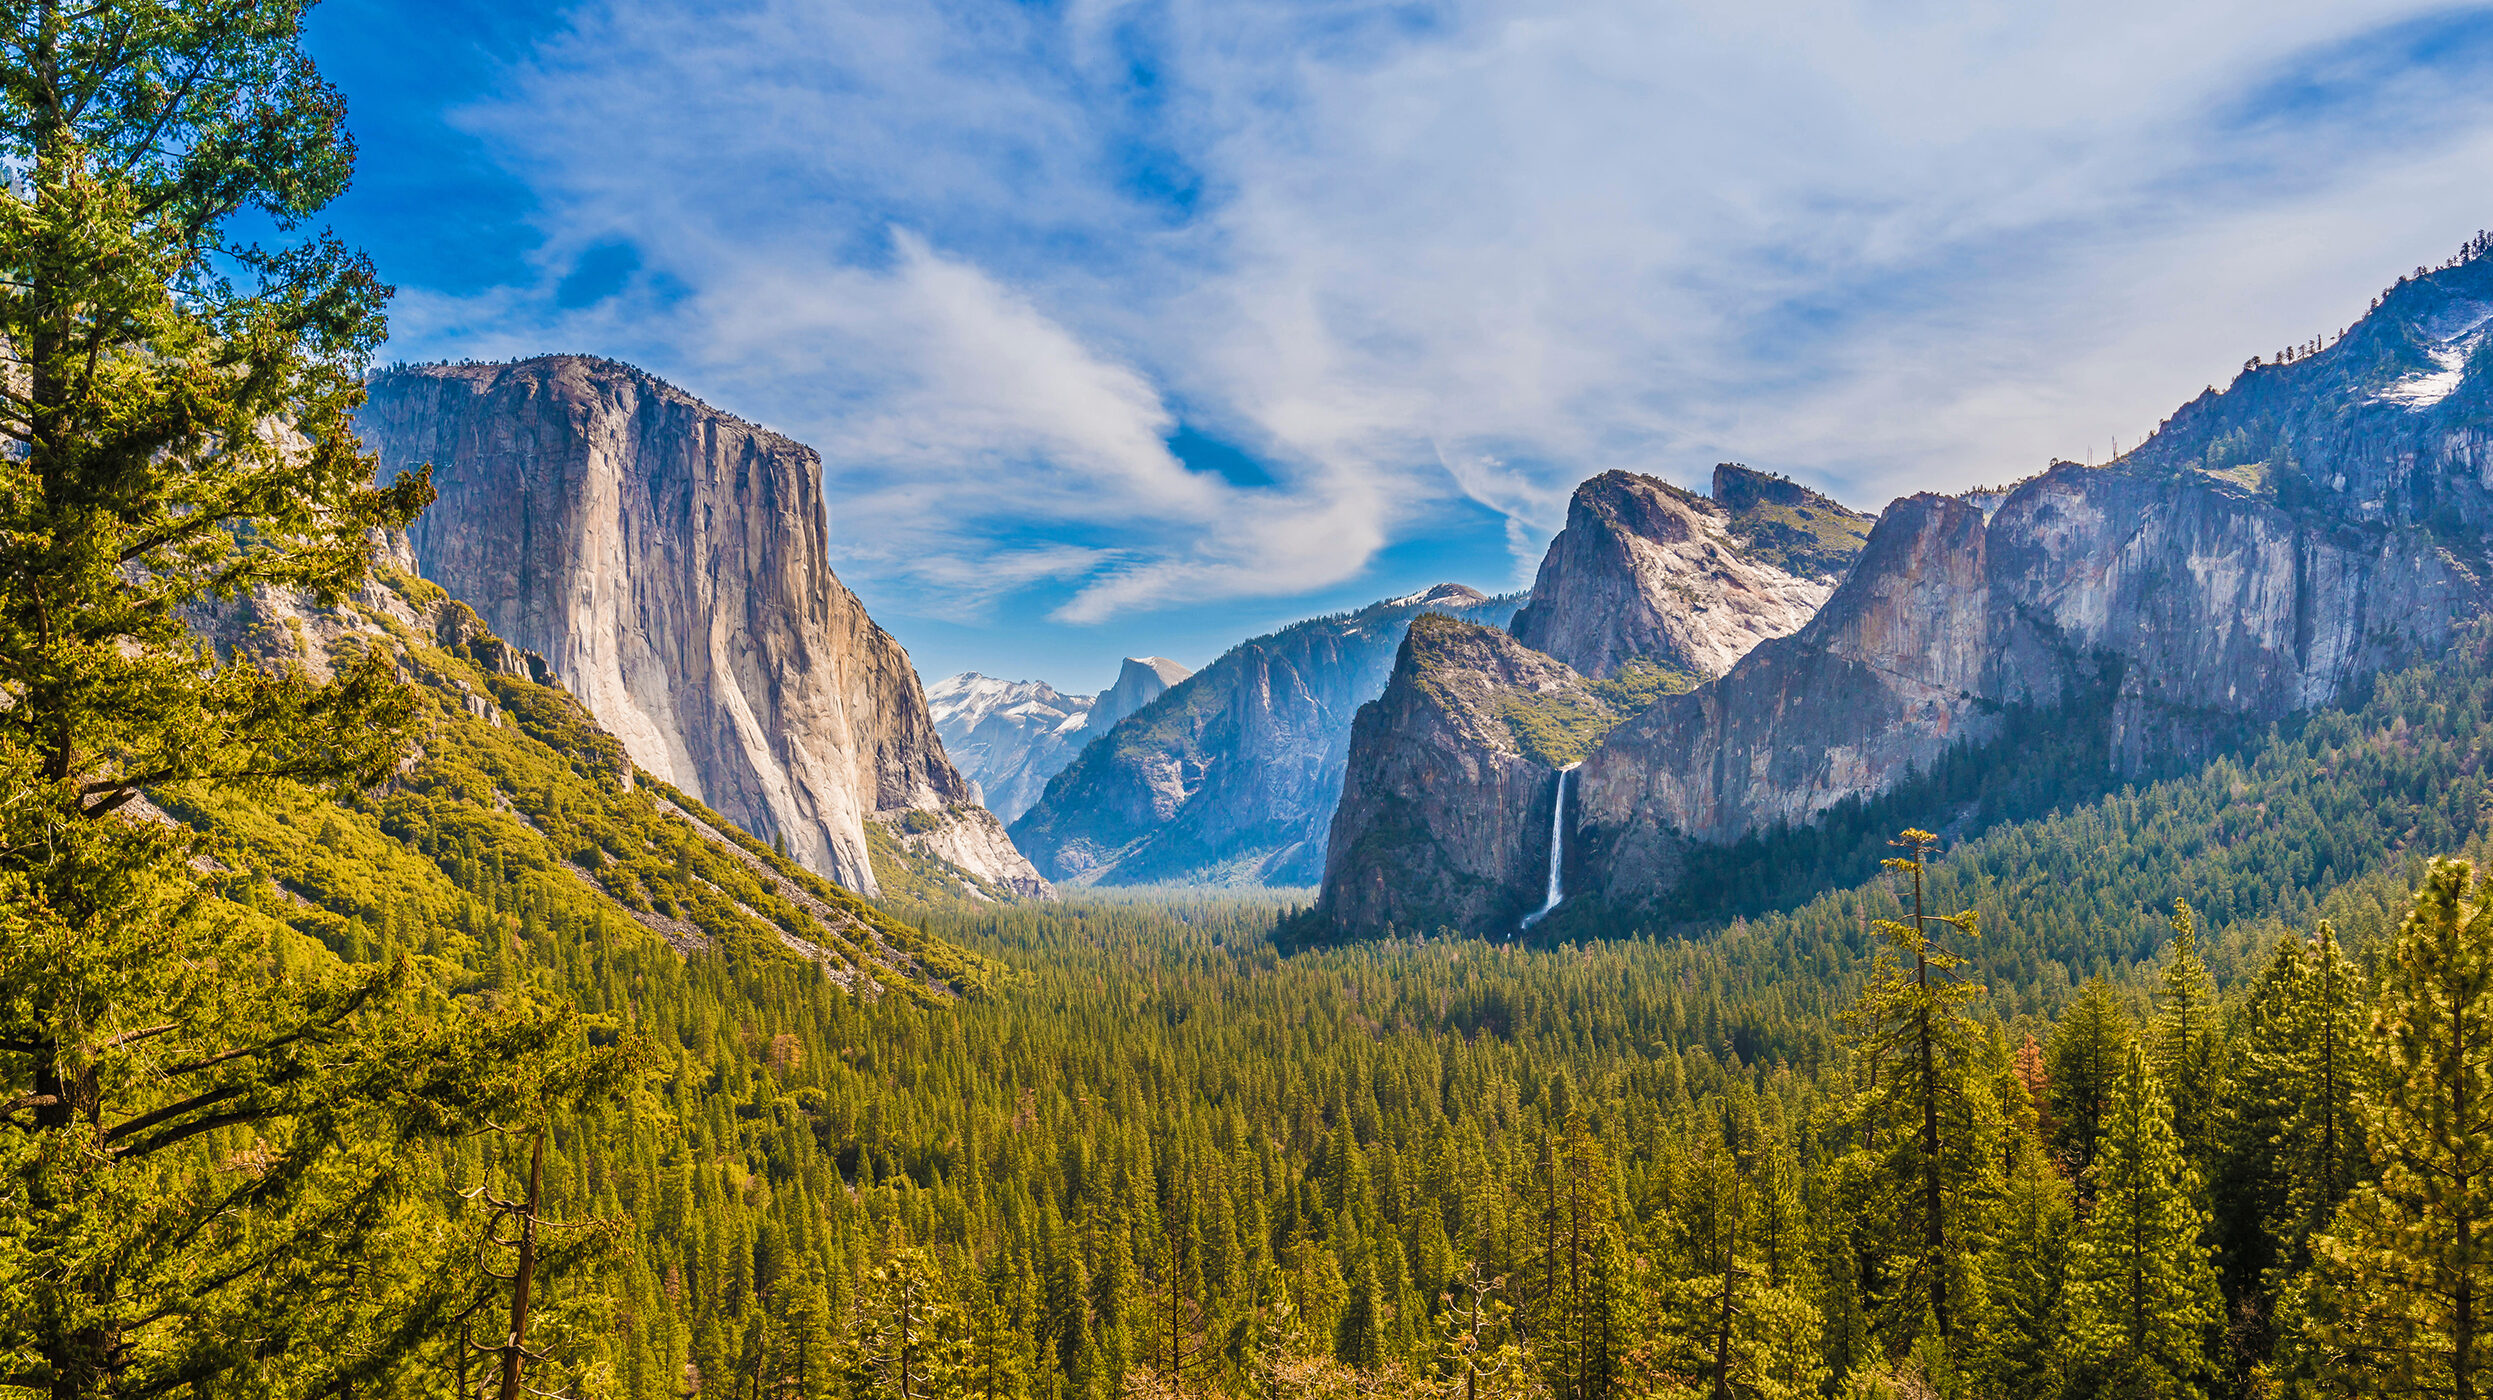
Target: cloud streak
(989,257)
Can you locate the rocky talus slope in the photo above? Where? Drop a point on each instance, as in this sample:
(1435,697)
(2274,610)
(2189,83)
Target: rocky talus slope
(1010,737)
(1232,776)
(1646,571)
(1448,782)
(670,563)
(2266,552)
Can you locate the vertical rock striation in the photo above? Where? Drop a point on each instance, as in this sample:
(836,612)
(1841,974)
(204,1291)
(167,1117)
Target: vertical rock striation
(671,563)
(2271,547)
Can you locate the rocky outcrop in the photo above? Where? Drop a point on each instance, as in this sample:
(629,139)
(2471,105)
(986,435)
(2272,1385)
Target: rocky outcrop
(1010,737)
(1444,820)
(1231,776)
(1645,571)
(1141,680)
(2269,549)
(670,562)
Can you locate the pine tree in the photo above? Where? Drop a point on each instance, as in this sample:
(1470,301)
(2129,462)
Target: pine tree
(1476,1354)
(2142,1290)
(1576,1317)
(2027,1268)
(909,1338)
(1725,1327)
(1926,1110)
(209,1122)
(2321,1145)
(2186,1035)
(2084,1057)
(2399,1283)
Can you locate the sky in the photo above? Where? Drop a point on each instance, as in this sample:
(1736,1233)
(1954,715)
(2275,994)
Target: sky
(1141,328)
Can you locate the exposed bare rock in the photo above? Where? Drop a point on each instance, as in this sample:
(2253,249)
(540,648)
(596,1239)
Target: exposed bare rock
(670,563)
(2198,608)
(1231,776)
(1647,571)
(1445,815)
(1010,737)
(1141,680)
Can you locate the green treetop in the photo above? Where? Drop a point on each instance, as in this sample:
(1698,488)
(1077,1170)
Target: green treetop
(2143,1290)
(199,1130)
(2400,1281)
(2186,1034)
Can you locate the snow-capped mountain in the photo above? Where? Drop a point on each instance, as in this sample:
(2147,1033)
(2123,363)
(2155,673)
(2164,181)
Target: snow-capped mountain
(1010,737)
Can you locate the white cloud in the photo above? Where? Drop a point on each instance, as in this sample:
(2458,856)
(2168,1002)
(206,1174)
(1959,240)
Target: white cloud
(981,254)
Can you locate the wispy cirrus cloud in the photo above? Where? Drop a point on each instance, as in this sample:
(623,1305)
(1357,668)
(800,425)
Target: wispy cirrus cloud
(989,257)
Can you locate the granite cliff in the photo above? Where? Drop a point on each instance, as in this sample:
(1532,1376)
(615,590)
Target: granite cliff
(1231,776)
(1010,737)
(1645,571)
(670,563)
(1450,783)
(1646,591)
(2268,550)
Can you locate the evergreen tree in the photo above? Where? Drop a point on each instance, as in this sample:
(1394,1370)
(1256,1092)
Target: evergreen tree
(2399,1283)
(2027,1268)
(2083,1060)
(209,1124)
(909,1337)
(2321,1145)
(1926,1110)
(2186,1035)
(1725,1327)
(2143,1293)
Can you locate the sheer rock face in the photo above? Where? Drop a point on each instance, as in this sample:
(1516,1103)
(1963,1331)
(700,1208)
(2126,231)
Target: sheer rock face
(1231,777)
(1645,570)
(1444,820)
(1141,680)
(2267,550)
(2197,606)
(671,564)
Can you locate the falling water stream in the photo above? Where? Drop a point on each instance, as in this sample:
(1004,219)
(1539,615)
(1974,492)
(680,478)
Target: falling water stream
(1557,849)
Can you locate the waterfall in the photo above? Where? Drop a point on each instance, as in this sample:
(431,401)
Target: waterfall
(1557,849)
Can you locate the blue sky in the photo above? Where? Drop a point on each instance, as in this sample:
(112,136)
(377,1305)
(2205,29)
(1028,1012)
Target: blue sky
(1143,327)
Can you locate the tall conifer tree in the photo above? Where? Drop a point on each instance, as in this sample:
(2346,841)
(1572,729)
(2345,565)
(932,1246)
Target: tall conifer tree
(178,414)
(1926,1109)
(2187,1035)
(2142,1288)
(2401,1280)
(2083,1062)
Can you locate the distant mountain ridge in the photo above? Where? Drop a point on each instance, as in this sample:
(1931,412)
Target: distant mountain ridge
(671,563)
(1010,737)
(1231,776)
(2268,550)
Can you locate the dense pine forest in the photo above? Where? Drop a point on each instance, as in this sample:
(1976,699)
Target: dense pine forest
(370,1028)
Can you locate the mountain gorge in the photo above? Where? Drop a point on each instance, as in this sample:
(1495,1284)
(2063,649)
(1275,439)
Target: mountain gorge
(1010,737)
(2270,549)
(1231,777)
(671,563)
